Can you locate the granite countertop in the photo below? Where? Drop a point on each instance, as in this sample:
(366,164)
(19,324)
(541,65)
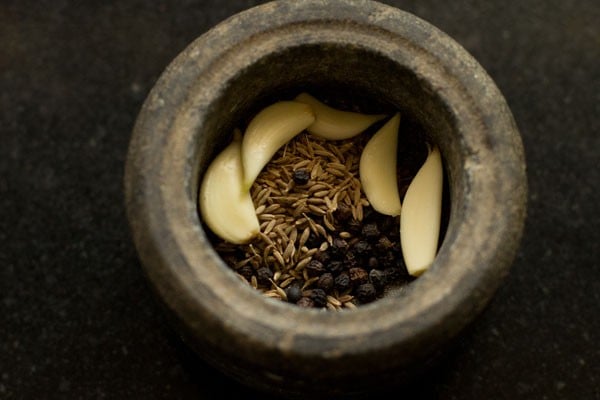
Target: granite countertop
(77,319)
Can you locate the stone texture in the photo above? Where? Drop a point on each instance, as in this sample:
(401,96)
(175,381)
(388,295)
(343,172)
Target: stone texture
(287,47)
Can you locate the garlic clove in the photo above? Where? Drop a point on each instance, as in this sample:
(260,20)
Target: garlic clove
(226,208)
(336,124)
(421,215)
(270,129)
(378,169)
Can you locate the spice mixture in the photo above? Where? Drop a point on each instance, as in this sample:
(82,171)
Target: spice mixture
(320,243)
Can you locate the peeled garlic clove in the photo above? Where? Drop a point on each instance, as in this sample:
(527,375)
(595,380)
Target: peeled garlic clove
(336,124)
(226,208)
(270,129)
(421,215)
(378,169)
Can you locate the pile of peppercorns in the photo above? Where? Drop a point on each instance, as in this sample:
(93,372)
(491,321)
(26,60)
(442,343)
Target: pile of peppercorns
(362,265)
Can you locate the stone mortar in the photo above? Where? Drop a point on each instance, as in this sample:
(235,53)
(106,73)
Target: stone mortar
(285,47)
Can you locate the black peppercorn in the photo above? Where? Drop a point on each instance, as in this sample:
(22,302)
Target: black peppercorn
(373,262)
(392,274)
(351,260)
(315,268)
(388,260)
(343,213)
(377,278)
(246,271)
(338,247)
(263,275)
(319,297)
(301,176)
(335,267)
(342,282)
(293,293)
(358,276)
(362,248)
(354,226)
(370,231)
(322,256)
(305,302)
(365,293)
(340,244)
(351,255)
(384,243)
(325,282)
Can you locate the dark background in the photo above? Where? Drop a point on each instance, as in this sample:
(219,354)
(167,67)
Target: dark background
(77,319)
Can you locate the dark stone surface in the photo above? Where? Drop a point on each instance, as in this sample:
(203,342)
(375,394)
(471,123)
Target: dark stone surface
(77,319)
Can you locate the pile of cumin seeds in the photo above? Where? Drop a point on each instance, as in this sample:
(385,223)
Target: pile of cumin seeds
(300,196)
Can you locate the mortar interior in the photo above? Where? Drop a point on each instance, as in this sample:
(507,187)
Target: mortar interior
(346,77)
